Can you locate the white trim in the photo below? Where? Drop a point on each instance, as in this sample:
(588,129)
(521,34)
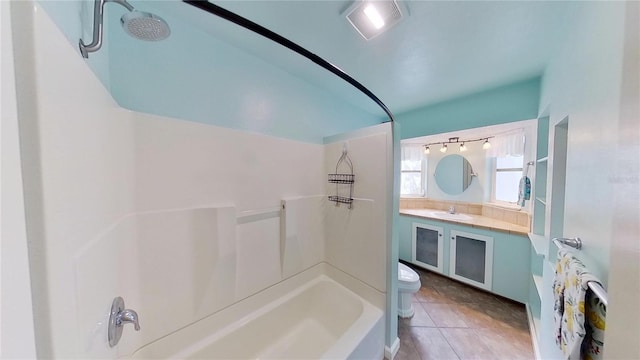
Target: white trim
(533,333)
(391,352)
(488,263)
(414,237)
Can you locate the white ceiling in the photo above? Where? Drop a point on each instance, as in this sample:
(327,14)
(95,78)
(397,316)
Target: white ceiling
(441,50)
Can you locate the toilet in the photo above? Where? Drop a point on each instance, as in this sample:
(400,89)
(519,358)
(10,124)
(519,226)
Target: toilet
(408,284)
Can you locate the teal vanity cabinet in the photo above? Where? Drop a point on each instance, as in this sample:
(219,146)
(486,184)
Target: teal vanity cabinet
(427,246)
(494,260)
(471,258)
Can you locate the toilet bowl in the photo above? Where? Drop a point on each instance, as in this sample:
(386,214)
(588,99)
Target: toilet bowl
(408,284)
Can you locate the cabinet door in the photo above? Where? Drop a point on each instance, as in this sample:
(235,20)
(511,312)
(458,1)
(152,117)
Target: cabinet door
(471,259)
(427,248)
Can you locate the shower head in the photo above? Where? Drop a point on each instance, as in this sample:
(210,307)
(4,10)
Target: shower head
(138,24)
(145,26)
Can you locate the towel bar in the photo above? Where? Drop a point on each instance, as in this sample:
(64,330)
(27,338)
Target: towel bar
(576,243)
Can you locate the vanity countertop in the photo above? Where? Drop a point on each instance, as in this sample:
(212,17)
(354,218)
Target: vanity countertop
(477,221)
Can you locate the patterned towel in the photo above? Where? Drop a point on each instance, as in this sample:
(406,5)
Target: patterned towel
(524,190)
(593,344)
(570,288)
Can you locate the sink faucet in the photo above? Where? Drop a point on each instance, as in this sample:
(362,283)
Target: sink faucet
(452,210)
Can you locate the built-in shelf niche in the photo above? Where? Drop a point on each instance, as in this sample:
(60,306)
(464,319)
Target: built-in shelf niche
(540,181)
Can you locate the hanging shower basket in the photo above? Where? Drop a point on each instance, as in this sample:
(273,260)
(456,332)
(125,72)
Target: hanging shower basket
(344,179)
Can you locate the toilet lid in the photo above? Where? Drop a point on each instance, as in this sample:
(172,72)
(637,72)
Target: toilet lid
(405,273)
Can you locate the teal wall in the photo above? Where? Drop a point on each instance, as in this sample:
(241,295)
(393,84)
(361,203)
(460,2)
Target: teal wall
(196,76)
(515,102)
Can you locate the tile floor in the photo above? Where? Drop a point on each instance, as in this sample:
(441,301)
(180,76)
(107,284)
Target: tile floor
(456,321)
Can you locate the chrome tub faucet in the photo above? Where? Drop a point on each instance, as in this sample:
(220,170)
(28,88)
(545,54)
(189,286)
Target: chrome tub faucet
(118,318)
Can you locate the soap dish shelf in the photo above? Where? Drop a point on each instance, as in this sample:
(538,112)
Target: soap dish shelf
(340,199)
(341,178)
(344,179)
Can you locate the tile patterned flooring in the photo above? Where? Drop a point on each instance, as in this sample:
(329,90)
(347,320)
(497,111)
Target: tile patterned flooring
(456,321)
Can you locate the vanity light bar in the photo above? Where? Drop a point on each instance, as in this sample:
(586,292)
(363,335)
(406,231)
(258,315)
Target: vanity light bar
(456,140)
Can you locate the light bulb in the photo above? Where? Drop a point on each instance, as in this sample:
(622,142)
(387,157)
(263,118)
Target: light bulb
(374,16)
(443,148)
(462,147)
(427,151)
(486,144)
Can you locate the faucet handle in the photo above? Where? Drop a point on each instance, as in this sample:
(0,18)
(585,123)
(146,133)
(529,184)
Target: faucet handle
(118,318)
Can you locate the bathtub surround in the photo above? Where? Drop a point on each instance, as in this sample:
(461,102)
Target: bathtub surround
(16,311)
(121,203)
(352,236)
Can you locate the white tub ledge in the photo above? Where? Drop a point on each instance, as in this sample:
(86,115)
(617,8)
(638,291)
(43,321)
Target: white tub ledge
(321,313)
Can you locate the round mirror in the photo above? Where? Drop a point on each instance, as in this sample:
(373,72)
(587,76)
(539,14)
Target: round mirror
(453,174)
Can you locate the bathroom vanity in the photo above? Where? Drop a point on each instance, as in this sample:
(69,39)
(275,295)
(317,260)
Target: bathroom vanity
(487,253)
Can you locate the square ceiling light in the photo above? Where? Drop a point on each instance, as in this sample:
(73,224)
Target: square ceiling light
(372,18)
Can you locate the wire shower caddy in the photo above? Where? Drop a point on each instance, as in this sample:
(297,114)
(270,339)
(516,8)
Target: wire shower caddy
(344,180)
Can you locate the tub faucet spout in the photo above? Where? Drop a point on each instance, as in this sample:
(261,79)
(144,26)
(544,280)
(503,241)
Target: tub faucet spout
(128,316)
(118,318)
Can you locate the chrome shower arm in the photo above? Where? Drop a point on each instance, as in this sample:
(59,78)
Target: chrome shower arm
(98,20)
(123,3)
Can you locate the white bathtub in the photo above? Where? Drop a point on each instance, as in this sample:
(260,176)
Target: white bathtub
(312,315)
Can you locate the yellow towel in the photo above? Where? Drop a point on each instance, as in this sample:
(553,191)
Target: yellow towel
(570,288)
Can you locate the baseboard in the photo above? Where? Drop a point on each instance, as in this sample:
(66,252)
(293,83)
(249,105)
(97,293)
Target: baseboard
(391,352)
(534,333)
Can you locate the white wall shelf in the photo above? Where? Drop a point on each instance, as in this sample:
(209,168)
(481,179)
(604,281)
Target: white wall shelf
(539,243)
(543,201)
(537,280)
(543,160)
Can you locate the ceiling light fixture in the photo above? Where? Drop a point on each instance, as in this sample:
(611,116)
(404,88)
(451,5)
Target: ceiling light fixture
(372,18)
(373,15)
(456,140)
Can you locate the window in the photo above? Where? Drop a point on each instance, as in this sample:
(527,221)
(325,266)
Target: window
(507,161)
(507,178)
(412,165)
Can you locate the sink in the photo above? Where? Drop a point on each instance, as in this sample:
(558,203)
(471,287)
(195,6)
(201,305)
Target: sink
(447,216)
